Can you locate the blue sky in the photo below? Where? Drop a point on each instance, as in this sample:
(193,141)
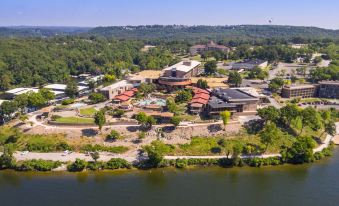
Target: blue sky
(321,13)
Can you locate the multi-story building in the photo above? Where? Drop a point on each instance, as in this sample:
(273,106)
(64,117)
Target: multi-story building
(116,89)
(328,89)
(304,91)
(233,100)
(179,75)
(211,46)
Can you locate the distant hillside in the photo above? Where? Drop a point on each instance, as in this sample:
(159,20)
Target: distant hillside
(26,31)
(212,32)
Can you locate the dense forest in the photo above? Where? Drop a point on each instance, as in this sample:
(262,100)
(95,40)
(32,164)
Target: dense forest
(36,61)
(177,32)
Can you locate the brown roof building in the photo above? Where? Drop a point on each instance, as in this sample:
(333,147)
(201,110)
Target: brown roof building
(211,46)
(304,91)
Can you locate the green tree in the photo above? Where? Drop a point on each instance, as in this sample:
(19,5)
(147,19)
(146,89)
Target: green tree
(225,116)
(8,108)
(100,119)
(147,88)
(114,135)
(183,96)
(288,113)
(301,151)
(36,100)
(269,134)
(47,94)
(210,67)
(109,78)
(72,88)
(234,79)
(97,97)
(95,156)
(269,113)
(171,105)
(144,120)
(311,118)
(155,152)
(276,84)
(77,166)
(202,84)
(175,120)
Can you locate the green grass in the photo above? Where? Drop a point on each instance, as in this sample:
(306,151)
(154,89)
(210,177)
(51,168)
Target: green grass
(88,111)
(75,120)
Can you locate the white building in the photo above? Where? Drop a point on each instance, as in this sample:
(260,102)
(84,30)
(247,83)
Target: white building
(20,90)
(115,89)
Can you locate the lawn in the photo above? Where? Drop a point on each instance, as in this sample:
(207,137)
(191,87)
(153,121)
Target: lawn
(89,112)
(75,120)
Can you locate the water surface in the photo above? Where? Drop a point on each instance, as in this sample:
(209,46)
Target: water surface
(311,184)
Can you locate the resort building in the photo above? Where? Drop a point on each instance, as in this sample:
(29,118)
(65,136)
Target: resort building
(179,75)
(11,94)
(304,91)
(116,89)
(249,64)
(125,96)
(328,89)
(211,46)
(145,76)
(199,100)
(59,90)
(233,100)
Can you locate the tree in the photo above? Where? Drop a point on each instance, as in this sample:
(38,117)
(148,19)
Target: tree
(36,100)
(276,84)
(257,73)
(8,108)
(7,161)
(97,97)
(144,120)
(175,121)
(155,152)
(288,113)
(183,96)
(234,79)
(210,67)
(95,156)
(301,151)
(47,94)
(225,116)
(330,128)
(269,113)
(146,88)
(72,88)
(171,105)
(202,84)
(77,166)
(100,119)
(109,78)
(311,118)
(118,113)
(269,134)
(23,118)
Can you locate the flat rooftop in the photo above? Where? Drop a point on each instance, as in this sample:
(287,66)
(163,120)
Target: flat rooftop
(116,85)
(21,90)
(62,87)
(216,102)
(184,66)
(233,94)
(301,86)
(152,74)
(329,82)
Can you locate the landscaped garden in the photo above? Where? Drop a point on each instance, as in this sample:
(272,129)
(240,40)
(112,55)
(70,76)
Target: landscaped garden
(74,120)
(89,112)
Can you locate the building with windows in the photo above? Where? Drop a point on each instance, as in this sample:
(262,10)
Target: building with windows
(233,100)
(179,75)
(116,89)
(328,89)
(211,46)
(303,91)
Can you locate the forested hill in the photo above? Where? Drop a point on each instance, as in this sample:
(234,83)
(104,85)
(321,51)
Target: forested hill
(27,31)
(174,32)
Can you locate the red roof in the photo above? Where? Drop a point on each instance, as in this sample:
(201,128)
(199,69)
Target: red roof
(202,95)
(134,89)
(197,90)
(122,97)
(199,100)
(129,93)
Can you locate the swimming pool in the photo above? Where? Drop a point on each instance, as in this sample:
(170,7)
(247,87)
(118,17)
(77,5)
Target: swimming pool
(146,102)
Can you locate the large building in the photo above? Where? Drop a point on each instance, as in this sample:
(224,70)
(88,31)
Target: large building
(211,46)
(179,75)
(233,100)
(59,90)
(116,89)
(328,89)
(304,91)
(249,64)
(145,76)
(10,94)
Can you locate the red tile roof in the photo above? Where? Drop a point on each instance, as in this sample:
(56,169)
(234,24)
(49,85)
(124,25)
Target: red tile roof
(199,100)
(122,97)
(202,95)
(129,93)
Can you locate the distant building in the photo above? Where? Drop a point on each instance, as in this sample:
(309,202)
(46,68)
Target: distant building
(328,89)
(180,74)
(10,94)
(95,79)
(116,89)
(249,64)
(304,91)
(233,100)
(145,76)
(211,46)
(59,90)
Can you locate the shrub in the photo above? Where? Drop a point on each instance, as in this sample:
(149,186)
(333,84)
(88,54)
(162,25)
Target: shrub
(38,165)
(97,147)
(77,166)
(67,101)
(181,163)
(117,163)
(7,161)
(95,165)
(114,135)
(97,97)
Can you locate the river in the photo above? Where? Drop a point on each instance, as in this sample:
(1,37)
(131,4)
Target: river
(309,184)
